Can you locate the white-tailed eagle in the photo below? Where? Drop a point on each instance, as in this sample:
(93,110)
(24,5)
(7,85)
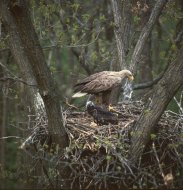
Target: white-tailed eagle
(101,85)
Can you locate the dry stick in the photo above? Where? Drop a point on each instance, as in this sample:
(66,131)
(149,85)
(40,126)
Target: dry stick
(46,173)
(178,104)
(8,137)
(91,182)
(106,170)
(70,105)
(79,130)
(156,155)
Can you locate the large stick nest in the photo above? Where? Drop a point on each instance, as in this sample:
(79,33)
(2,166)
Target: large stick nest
(97,156)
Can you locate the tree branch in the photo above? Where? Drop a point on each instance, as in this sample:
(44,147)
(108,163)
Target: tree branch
(145,33)
(151,83)
(14,78)
(147,84)
(4,79)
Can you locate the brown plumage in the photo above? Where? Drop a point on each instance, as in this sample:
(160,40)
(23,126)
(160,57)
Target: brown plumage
(101,84)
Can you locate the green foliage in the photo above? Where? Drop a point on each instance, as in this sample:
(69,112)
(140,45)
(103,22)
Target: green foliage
(153,136)
(136,19)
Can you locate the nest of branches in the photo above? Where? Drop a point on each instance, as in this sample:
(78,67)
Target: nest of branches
(97,155)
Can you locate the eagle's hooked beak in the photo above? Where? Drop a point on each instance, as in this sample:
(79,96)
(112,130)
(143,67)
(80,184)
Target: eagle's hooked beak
(131,77)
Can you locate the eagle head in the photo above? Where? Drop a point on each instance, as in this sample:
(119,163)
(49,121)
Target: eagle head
(126,73)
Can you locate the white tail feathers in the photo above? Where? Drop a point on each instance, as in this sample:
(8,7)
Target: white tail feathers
(79,94)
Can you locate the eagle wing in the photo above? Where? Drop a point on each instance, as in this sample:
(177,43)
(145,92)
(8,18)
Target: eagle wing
(82,83)
(104,82)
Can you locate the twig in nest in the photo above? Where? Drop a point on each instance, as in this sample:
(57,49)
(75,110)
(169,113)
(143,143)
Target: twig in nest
(70,105)
(160,168)
(127,124)
(118,112)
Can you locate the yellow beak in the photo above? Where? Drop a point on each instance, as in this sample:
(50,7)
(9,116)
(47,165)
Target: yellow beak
(131,78)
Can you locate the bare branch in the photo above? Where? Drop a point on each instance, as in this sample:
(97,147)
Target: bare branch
(151,83)
(74,45)
(8,137)
(159,164)
(4,79)
(7,70)
(145,33)
(14,78)
(147,84)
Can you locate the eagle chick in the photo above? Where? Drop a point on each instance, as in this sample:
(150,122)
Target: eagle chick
(101,116)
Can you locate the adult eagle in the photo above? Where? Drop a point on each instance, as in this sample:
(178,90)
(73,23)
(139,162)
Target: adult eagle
(101,85)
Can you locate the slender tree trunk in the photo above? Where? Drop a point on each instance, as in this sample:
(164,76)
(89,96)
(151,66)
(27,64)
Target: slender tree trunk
(122,29)
(16,17)
(119,32)
(3,111)
(1,118)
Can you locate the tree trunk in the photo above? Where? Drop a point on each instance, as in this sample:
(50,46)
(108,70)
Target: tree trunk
(162,94)
(119,31)
(3,120)
(122,20)
(16,17)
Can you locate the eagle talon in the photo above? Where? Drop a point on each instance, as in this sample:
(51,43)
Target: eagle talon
(93,124)
(110,108)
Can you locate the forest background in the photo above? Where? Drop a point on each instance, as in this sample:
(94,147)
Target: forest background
(46,46)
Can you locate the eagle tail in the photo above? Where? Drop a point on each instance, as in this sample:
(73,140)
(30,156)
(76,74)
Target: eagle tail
(79,94)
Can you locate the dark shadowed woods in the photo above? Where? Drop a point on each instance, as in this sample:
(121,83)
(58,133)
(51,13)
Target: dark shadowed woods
(47,139)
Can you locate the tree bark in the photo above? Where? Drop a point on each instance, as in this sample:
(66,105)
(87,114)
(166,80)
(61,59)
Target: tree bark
(17,50)
(15,16)
(122,29)
(162,94)
(119,31)
(3,121)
